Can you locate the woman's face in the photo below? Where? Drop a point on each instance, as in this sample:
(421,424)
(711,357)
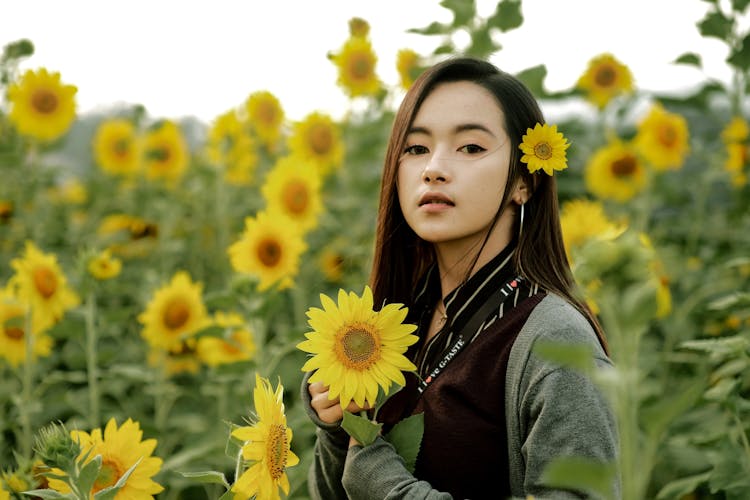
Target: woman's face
(454,166)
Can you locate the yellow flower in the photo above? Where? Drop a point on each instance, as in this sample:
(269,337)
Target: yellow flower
(175,312)
(39,282)
(266,116)
(41,106)
(234,346)
(356,67)
(359,27)
(615,172)
(266,446)
(13,332)
(127,235)
(180,357)
(582,220)
(120,449)
(117,147)
(166,152)
(663,297)
(332,264)
(6,211)
(737,130)
(605,78)
(662,138)
(230,146)
(407,64)
(71,192)
(269,248)
(317,138)
(292,187)
(4,495)
(103,266)
(544,148)
(356,349)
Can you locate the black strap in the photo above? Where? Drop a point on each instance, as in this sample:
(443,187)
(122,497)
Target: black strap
(493,303)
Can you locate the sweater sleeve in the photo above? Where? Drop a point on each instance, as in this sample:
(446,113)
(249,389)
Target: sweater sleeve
(375,472)
(556,411)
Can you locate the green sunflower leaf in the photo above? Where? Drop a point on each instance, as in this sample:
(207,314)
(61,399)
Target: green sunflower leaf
(88,474)
(740,5)
(45,494)
(110,492)
(716,25)
(463,11)
(208,476)
(360,428)
(740,57)
(406,437)
(580,474)
(507,15)
(690,58)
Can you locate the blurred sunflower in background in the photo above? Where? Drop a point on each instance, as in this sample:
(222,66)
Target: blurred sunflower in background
(234,346)
(356,68)
(604,79)
(615,171)
(13,332)
(39,282)
(269,249)
(317,138)
(230,146)
(265,117)
(42,106)
(663,138)
(117,147)
(165,152)
(293,188)
(175,312)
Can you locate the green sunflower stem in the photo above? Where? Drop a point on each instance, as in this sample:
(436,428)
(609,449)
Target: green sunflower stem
(27,381)
(92,368)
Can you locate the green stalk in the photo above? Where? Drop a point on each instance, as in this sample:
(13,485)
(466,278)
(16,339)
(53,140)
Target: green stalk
(28,378)
(91,360)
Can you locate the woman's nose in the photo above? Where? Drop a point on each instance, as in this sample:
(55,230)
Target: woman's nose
(434,171)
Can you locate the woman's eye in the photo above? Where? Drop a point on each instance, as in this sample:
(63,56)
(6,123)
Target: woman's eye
(415,150)
(472,149)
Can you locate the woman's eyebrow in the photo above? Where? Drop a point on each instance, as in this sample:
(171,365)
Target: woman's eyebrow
(458,128)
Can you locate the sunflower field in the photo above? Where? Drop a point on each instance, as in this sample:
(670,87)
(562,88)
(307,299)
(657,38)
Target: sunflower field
(156,275)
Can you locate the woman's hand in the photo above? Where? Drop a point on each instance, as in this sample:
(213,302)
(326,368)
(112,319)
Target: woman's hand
(329,410)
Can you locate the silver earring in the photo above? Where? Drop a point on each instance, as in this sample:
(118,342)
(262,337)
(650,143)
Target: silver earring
(520,225)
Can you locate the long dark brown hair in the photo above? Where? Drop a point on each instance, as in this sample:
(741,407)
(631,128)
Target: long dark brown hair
(401,257)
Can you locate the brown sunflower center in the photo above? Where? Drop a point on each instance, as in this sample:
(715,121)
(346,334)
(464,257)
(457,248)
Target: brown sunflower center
(358,347)
(121,147)
(267,113)
(44,101)
(624,166)
(109,474)
(45,281)
(667,136)
(269,252)
(13,332)
(361,68)
(543,151)
(277,447)
(605,76)
(296,197)
(176,314)
(160,155)
(321,139)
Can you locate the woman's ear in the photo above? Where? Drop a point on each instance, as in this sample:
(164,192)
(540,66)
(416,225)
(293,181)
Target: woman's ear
(521,193)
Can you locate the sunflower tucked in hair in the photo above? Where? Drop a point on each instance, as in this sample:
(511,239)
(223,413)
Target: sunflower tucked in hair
(356,349)
(544,149)
(41,105)
(266,446)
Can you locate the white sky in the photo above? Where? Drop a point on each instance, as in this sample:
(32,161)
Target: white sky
(201,58)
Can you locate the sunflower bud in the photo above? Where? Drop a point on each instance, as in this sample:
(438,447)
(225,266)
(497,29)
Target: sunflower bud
(56,448)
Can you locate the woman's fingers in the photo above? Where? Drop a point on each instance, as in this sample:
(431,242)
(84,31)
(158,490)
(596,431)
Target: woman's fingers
(329,410)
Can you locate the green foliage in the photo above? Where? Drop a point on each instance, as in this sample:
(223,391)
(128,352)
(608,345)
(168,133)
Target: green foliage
(406,437)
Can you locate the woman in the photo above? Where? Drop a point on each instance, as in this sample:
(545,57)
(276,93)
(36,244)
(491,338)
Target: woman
(469,239)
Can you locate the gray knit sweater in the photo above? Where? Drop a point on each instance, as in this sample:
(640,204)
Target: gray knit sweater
(551,412)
